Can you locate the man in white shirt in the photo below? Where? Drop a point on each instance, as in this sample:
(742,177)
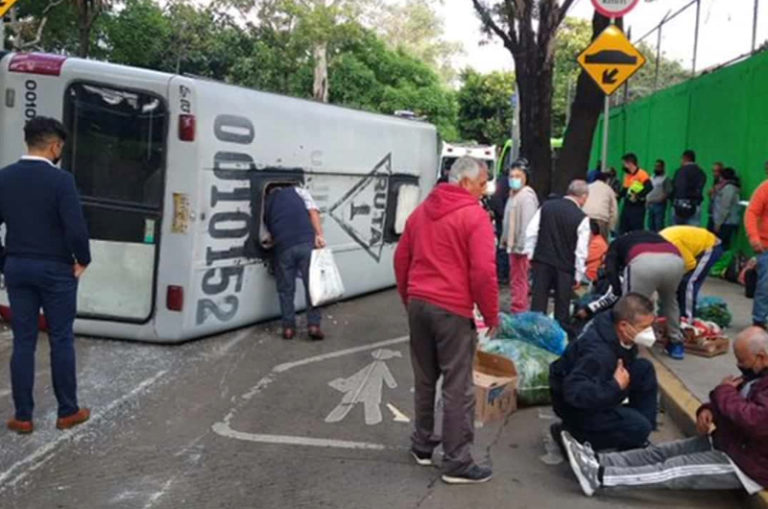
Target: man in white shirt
(557,242)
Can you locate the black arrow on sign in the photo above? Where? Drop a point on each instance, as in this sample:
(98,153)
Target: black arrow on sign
(609,77)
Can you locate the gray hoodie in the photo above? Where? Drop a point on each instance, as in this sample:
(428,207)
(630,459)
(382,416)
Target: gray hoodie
(520,209)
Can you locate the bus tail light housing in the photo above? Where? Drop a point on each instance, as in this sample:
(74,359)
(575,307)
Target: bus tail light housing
(174,299)
(37,63)
(187,127)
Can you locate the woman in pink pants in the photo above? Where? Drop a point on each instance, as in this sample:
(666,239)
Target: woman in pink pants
(520,209)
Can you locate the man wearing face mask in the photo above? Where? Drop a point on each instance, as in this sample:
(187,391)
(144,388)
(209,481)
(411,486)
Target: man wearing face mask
(599,370)
(733,456)
(46,251)
(445,264)
(557,243)
(520,209)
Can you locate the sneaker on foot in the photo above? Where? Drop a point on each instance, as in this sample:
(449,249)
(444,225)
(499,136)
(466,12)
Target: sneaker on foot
(676,351)
(315,333)
(584,466)
(423,459)
(21,427)
(73,420)
(475,475)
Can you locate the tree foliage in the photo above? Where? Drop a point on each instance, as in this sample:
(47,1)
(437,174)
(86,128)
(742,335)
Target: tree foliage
(485,109)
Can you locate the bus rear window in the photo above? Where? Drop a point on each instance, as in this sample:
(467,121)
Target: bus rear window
(116,149)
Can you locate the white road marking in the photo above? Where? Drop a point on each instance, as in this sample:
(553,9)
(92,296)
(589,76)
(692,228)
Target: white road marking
(223,429)
(4,393)
(397,415)
(159,494)
(365,387)
(339,353)
(22,468)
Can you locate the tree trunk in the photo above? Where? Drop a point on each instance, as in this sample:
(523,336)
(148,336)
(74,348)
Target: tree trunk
(84,41)
(586,109)
(320,86)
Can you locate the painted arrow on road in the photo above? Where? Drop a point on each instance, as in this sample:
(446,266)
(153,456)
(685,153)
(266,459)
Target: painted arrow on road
(609,77)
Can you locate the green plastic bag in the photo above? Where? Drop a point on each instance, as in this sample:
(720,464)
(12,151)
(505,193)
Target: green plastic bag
(532,365)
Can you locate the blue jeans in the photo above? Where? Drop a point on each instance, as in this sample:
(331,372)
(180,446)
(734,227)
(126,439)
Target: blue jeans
(690,286)
(33,284)
(289,263)
(656,219)
(760,304)
(623,427)
(694,220)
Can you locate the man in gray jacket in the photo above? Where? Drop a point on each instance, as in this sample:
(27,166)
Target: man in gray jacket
(726,210)
(521,207)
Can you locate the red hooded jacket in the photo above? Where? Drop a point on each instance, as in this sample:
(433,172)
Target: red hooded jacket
(742,427)
(447,255)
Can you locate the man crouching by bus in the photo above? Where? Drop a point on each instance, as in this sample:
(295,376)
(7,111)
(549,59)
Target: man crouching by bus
(733,456)
(444,264)
(293,220)
(46,252)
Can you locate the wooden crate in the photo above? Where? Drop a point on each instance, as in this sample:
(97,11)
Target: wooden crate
(709,347)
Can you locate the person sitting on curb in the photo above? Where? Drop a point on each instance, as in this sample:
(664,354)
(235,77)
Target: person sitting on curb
(599,370)
(734,456)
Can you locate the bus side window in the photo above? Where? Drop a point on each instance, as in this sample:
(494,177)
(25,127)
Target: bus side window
(262,182)
(404,194)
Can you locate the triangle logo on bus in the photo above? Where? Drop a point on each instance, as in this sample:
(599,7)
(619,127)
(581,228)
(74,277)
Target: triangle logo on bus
(362,211)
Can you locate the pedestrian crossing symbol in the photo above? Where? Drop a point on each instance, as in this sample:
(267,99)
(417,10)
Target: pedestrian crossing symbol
(5,6)
(611,59)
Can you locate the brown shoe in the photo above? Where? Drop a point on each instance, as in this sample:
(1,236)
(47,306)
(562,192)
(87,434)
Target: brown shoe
(21,427)
(315,334)
(289,333)
(73,420)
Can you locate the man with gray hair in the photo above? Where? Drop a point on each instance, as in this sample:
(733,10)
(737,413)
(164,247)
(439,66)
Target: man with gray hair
(733,456)
(445,264)
(557,242)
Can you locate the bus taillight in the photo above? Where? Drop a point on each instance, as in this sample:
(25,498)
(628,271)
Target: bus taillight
(37,63)
(174,299)
(187,127)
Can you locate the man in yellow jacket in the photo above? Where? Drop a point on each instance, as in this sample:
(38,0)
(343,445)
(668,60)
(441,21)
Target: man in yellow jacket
(700,250)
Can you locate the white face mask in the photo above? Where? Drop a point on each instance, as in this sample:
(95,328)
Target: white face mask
(646,337)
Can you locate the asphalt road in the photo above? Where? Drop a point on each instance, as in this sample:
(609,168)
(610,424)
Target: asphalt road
(246,420)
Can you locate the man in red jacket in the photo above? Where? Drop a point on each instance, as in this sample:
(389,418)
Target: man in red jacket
(445,263)
(734,456)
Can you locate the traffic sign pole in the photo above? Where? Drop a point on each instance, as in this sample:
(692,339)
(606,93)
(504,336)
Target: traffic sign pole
(606,126)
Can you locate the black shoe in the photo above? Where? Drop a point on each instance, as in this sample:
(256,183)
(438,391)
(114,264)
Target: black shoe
(423,459)
(475,475)
(556,431)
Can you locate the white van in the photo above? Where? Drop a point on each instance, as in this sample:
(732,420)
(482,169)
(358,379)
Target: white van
(173,170)
(452,151)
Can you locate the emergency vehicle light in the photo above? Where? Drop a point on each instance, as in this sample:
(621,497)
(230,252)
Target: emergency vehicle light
(187,127)
(37,63)
(174,299)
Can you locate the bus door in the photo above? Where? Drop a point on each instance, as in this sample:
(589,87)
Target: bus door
(116,152)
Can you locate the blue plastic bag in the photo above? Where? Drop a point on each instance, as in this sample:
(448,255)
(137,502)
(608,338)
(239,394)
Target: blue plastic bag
(536,329)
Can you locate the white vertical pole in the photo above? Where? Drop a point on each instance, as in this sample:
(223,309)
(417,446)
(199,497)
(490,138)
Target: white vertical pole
(606,124)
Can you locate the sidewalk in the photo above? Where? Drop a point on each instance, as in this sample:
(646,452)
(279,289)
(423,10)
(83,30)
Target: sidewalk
(685,385)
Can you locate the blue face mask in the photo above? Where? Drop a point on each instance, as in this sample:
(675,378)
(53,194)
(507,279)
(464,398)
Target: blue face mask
(515,184)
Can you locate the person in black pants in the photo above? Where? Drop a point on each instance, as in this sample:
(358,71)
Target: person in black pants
(46,251)
(557,242)
(600,370)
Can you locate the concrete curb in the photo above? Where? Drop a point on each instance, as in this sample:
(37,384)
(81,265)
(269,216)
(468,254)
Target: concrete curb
(681,405)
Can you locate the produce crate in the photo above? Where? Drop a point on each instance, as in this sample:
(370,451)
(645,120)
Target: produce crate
(703,346)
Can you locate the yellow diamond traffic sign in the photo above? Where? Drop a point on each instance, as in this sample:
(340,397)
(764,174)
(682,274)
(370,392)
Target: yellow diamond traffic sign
(5,6)
(611,59)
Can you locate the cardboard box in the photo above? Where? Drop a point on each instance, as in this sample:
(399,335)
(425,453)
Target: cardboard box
(495,380)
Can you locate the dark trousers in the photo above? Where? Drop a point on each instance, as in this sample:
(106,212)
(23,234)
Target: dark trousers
(502,265)
(623,427)
(289,263)
(32,285)
(632,217)
(690,286)
(443,343)
(545,278)
(726,234)
(657,216)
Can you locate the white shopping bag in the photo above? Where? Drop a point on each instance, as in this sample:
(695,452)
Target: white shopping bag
(325,284)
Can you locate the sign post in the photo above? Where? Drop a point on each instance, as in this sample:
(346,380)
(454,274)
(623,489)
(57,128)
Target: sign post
(5,6)
(610,61)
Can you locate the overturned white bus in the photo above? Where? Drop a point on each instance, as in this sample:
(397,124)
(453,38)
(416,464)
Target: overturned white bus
(173,170)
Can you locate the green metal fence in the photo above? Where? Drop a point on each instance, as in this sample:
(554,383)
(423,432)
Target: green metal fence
(722,115)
